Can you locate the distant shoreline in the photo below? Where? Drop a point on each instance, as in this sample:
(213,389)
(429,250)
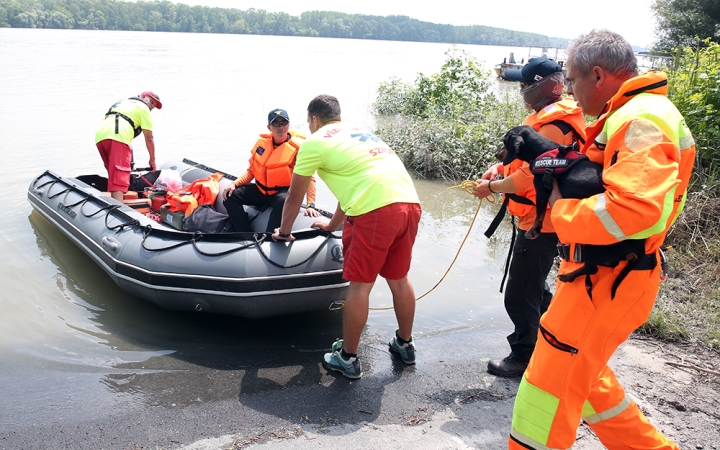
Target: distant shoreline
(171,17)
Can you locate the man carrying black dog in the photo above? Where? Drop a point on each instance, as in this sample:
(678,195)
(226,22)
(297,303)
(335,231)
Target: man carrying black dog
(647,153)
(527,294)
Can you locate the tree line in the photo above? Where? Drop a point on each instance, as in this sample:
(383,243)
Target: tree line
(168,16)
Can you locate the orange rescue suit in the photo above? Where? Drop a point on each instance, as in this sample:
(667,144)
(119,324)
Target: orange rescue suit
(647,153)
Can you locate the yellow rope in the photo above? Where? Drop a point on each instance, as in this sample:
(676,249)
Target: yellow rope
(467,185)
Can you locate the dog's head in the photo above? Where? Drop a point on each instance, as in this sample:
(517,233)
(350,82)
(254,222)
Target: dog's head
(526,144)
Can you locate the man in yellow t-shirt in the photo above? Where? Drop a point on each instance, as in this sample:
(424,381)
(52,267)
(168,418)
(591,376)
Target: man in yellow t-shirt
(123,122)
(380,212)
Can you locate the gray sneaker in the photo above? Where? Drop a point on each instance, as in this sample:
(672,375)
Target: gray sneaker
(406,351)
(334,361)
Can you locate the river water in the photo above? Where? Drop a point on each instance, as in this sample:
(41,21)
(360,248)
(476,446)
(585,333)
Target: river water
(72,344)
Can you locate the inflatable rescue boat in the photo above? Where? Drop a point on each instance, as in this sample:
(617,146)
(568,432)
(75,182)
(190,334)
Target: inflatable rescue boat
(242,274)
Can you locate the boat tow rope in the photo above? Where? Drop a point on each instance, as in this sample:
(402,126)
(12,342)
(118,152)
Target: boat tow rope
(468,186)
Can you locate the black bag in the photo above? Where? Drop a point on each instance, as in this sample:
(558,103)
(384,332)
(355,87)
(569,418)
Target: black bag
(206,220)
(139,181)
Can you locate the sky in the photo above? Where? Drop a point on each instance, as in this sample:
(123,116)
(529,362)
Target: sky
(567,19)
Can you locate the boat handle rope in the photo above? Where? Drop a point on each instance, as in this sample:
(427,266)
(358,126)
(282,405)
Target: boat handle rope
(51,183)
(104,208)
(467,185)
(83,201)
(197,236)
(119,227)
(227,252)
(44,184)
(314,254)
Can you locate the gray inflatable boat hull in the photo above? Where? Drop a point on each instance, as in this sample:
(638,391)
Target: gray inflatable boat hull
(246,275)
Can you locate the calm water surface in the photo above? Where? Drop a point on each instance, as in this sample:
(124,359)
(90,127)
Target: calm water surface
(72,344)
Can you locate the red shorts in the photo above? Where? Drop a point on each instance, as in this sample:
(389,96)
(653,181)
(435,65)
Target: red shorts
(116,156)
(380,242)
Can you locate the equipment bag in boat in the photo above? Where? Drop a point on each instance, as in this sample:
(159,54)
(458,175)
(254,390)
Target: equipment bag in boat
(139,181)
(206,220)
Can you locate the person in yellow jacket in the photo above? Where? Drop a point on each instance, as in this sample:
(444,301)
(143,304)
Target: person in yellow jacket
(123,122)
(271,166)
(647,153)
(527,294)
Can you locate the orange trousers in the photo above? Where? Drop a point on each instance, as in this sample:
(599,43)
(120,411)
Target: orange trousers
(568,378)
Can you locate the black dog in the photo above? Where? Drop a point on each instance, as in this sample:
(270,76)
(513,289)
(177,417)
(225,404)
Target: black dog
(581,178)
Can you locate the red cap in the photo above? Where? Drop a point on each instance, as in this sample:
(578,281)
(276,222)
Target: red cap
(155,98)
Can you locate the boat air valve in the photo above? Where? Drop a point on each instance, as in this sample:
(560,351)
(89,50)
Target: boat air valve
(201,306)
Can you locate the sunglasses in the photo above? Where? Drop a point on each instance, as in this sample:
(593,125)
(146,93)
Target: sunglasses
(279,124)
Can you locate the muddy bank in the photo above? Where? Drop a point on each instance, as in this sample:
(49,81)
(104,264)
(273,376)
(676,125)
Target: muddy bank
(447,400)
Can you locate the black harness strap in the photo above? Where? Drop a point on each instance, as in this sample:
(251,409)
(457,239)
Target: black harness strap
(645,262)
(567,128)
(503,209)
(649,87)
(496,222)
(268,189)
(117,114)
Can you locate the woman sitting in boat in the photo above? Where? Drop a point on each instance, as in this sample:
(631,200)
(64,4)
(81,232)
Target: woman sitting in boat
(271,165)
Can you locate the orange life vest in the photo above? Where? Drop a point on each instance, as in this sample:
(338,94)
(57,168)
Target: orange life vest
(272,166)
(565,114)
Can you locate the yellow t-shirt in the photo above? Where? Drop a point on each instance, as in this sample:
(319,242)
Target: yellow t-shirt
(361,170)
(135,109)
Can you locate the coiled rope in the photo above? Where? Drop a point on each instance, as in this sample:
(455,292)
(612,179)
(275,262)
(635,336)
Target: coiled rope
(468,186)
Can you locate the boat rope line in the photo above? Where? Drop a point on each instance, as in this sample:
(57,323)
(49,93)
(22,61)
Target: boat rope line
(257,238)
(197,236)
(467,185)
(314,254)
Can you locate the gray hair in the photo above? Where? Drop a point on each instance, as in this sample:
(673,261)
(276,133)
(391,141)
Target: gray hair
(602,48)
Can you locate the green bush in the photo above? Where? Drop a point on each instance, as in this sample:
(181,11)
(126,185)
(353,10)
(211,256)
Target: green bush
(450,124)
(694,84)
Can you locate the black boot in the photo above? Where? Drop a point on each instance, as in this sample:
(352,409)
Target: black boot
(508,367)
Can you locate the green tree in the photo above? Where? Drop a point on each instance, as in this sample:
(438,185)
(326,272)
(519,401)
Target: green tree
(694,87)
(685,22)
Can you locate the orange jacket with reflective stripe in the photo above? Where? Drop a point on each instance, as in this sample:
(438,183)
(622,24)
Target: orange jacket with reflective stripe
(648,154)
(566,110)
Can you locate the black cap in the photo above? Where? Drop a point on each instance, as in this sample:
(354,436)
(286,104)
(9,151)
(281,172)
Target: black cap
(535,70)
(275,113)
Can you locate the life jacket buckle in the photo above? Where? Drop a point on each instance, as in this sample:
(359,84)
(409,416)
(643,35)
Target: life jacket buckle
(564,252)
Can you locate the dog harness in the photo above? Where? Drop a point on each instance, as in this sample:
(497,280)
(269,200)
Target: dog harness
(550,164)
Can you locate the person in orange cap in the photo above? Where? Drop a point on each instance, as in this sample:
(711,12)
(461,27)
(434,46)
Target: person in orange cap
(647,153)
(123,122)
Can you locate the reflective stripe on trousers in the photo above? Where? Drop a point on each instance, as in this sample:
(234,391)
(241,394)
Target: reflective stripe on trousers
(568,376)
